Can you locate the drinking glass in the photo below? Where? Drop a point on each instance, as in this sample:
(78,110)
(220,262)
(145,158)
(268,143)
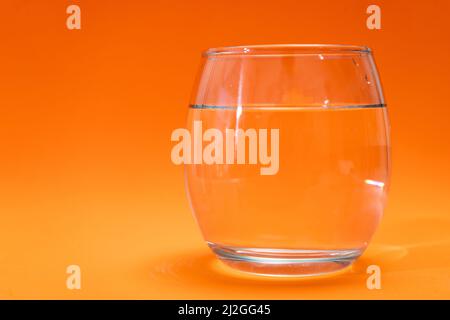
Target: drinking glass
(315,208)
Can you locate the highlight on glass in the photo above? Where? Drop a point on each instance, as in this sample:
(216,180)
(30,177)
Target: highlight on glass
(298,164)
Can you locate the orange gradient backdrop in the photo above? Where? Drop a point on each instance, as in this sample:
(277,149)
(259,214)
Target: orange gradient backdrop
(85,123)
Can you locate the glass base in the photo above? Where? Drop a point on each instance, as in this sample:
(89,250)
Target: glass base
(285,262)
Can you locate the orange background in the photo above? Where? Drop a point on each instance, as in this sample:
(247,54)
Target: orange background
(85,123)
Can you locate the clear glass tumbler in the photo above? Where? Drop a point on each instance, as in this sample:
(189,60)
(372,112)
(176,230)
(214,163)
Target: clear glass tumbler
(291,180)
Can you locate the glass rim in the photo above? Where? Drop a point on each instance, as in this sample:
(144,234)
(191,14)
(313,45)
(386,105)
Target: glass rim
(286,49)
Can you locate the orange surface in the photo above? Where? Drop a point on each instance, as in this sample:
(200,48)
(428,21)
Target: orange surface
(85,123)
